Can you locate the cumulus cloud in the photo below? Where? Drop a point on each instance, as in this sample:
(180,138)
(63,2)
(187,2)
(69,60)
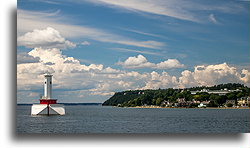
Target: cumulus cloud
(110,70)
(201,76)
(163,80)
(45,38)
(112,86)
(70,75)
(212,75)
(49,63)
(187,79)
(24,57)
(84,82)
(62,63)
(170,63)
(136,62)
(141,62)
(245,76)
(29,75)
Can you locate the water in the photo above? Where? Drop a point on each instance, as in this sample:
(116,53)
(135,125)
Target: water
(99,119)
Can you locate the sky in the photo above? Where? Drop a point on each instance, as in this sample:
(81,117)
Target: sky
(95,48)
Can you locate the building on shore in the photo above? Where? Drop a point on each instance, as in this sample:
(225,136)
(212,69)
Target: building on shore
(219,92)
(230,103)
(243,102)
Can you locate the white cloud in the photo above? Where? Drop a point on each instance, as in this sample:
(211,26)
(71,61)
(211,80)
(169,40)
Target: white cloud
(85,43)
(136,51)
(140,59)
(110,70)
(30,74)
(187,79)
(53,55)
(178,9)
(171,8)
(212,19)
(103,93)
(24,57)
(45,38)
(209,75)
(62,63)
(245,77)
(141,62)
(136,62)
(163,80)
(145,44)
(86,82)
(212,75)
(201,76)
(170,63)
(63,68)
(143,33)
(70,75)
(33,94)
(110,86)
(27,21)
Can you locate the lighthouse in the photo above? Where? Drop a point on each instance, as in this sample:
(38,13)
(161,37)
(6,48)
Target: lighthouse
(48,105)
(47,85)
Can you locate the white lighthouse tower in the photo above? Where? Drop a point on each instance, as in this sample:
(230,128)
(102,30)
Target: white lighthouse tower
(48,105)
(47,86)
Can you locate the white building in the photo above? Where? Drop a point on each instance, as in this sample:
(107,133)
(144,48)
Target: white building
(219,92)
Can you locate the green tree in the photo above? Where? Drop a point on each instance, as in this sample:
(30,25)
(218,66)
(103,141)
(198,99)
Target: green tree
(204,96)
(220,100)
(158,101)
(137,102)
(196,97)
(179,95)
(240,94)
(212,97)
(153,101)
(139,97)
(212,104)
(231,96)
(217,100)
(171,99)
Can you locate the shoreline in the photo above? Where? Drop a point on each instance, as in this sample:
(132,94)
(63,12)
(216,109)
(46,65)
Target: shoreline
(187,107)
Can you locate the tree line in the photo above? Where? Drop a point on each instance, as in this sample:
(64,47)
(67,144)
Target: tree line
(133,98)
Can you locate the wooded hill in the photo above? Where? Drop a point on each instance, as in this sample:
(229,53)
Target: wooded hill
(156,97)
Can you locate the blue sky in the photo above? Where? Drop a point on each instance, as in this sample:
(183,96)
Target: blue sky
(97,47)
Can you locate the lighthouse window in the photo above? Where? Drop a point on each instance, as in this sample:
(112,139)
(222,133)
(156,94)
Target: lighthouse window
(50,82)
(45,82)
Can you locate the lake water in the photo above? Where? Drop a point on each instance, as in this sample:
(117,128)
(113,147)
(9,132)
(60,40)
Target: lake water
(99,119)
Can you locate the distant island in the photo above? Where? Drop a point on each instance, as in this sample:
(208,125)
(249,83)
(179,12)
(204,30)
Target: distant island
(223,95)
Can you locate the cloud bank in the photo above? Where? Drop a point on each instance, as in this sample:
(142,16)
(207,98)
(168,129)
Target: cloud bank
(141,62)
(45,38)
(82,82)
